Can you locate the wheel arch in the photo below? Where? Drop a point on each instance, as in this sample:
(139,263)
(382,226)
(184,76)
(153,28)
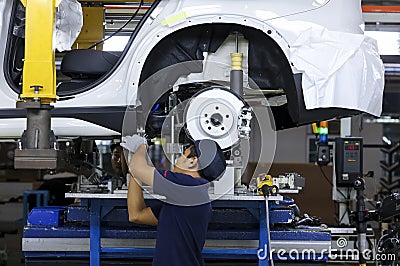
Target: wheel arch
(268,66)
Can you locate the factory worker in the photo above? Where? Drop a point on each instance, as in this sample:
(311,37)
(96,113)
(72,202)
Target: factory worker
(182,218)
(118,162)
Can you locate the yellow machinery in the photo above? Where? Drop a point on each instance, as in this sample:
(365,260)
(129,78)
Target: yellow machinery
(36,149)
(266,187)
(91,33)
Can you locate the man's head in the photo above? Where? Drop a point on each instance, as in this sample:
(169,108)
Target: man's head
(188,163)
(118,161)
(203,158)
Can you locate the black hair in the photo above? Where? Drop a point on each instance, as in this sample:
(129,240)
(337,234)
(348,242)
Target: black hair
(193,153)
(114,145)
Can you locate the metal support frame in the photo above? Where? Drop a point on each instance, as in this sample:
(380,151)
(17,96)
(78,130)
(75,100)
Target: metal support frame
(263,240)
(97,238)
(95,247)
(42,199)
(98,205)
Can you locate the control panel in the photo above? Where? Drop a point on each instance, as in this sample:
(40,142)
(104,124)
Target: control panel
(348,160)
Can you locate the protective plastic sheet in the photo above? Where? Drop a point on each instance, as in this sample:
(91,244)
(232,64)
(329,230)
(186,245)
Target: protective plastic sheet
(69,21)
(339,70)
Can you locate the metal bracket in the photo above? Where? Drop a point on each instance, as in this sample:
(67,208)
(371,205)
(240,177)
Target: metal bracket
(244,122)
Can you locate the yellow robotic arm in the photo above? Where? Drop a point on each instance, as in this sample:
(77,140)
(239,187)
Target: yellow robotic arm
(38,81)
(36,150)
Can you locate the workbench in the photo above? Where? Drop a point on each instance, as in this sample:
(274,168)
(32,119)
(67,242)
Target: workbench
(99,203)
(98,229)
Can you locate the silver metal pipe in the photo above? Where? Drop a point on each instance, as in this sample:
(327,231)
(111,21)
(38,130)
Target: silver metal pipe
(38,129)
(237,41)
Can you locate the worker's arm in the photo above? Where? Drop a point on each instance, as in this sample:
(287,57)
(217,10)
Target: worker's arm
(139,168)
(138,211)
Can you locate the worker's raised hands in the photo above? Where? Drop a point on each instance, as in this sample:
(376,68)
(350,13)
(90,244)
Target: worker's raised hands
(132,143)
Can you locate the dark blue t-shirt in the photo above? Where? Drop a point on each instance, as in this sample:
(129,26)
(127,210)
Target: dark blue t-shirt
(182,219)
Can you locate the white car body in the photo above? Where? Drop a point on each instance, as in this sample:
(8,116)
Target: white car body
(283,21)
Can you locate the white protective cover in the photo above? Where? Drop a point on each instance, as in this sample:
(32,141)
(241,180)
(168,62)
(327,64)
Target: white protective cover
(352,78)
(69,21)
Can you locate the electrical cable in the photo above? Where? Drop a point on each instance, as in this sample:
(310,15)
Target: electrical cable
(326,178)
(347,198)
(330,182)
(347,205)
(121,28)
(387,238)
